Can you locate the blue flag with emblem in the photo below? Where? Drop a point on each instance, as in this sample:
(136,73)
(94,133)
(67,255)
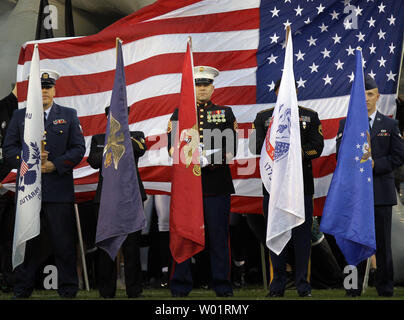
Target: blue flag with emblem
(349,208)
(121,208)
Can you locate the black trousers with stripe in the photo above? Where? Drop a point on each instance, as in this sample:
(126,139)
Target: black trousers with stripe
(301,241)
(216,211)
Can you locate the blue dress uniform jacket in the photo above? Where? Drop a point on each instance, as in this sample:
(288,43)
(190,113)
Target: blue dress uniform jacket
(65,144)
(66,147)
(216,177)
(388,154)
(311,136)
(7,107)
(387,149)
(96,152)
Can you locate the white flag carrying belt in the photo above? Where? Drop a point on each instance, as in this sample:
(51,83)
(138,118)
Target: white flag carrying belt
(29,192)
(281,162)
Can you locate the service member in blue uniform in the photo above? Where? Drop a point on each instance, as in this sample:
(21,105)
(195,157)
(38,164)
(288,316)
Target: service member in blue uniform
(7,208)
(217,184)
(106,268)
(387,148)
(65,148)
(312,143)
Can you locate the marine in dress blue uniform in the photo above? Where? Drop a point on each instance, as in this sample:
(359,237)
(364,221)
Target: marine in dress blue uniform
(216,124)
(106,268)
(312,143)
(65,148)
(387,148)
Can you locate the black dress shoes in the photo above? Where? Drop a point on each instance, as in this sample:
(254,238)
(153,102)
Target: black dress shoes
(275,294)
(225,294)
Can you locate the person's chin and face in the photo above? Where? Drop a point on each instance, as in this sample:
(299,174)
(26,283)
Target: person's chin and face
(204,92)
(48,93)
(371,99)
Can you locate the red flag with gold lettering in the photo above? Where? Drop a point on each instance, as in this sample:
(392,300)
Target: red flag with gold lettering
(187,233)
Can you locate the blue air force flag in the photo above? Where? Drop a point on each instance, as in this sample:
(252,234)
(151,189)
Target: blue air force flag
(281,162)
(349,208)
(29,192)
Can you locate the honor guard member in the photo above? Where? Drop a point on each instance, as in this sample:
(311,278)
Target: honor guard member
(106,268)
(7,208)
(312,143)
(218,132)
(64,149)
(387,148)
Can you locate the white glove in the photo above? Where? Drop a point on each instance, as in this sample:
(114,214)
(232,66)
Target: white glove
(202,159)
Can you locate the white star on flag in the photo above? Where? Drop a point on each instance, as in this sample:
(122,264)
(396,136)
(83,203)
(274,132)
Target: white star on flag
(301,82)
(371,74)
(391,76)
(350,50)
(298,11)
(392,20)
(381,34)
(334,15)
(327,80)
(382,62)
(372,49)
(300,55)
(326,53)
(336,39)
(274,38)
(275,12)
(272,58)
(339,65)
(371,22)
(312,41)
(381,7)
(314,68)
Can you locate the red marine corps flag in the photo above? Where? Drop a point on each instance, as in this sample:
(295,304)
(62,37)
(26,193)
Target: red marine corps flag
(187,234)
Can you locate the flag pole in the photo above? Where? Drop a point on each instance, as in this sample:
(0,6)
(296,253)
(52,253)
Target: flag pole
(264,268)
(366,278)
(83,256)
(400,69)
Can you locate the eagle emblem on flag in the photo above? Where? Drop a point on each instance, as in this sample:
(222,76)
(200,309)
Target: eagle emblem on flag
(27,176)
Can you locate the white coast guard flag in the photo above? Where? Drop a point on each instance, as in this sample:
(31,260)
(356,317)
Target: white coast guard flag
(281,162)
(29,192)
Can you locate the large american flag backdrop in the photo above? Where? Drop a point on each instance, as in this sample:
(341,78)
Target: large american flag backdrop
(244,39)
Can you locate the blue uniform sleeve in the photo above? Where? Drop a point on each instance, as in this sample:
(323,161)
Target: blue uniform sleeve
(395,158)
(12,143)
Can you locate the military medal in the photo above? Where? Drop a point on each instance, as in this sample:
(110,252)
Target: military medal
(197,170)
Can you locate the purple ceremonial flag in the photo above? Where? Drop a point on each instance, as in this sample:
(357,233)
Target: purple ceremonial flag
(121,209)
